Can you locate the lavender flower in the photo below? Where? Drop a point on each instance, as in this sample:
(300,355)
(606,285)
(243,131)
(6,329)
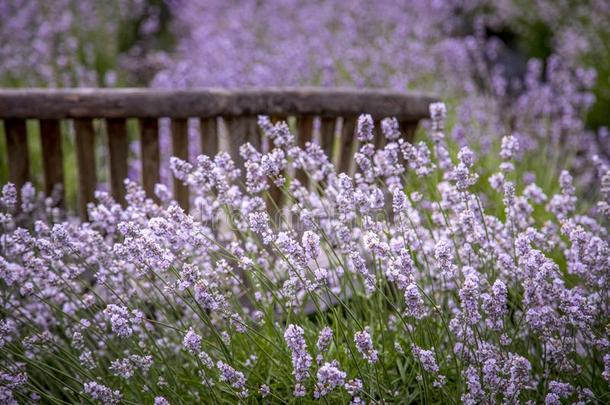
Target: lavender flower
(264,390)
(510,145)
(301,359)
(9,197)
(121,320)
(426,358)
(469,296)
(126,367)
(233,377)
(390,128)
(102,393)
(444,256)
(353,386)
(364,344)
(161,401)
(329,377)
(415,303)
(495,305)
(365,128)
(192,342)
(324,339)
(311,244)
(438,113)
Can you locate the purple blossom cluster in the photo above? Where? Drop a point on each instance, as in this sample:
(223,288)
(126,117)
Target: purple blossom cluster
(301,359)
(508,280)
(364,344)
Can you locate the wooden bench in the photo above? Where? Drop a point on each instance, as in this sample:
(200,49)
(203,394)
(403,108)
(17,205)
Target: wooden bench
(237,109)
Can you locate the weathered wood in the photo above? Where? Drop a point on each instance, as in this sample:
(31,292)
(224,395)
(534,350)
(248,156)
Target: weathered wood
(239,107)
(17,151)
(304,135)
(237,132)
(254,133)
(85,157)
(152,103)
(180,149)
(209,136)
(327,135)
(149,144)
(379,138)
(348,139)
(118,147)
(52,156)
(408,128)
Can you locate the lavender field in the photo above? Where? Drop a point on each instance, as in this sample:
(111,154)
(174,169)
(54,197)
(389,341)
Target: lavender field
(466,263)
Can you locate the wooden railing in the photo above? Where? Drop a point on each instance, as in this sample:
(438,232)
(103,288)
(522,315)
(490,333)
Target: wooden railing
(236,109)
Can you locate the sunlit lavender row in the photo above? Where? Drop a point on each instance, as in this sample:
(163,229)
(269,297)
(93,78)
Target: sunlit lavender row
(417,279)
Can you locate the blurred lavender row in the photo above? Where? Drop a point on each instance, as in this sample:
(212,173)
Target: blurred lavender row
(509,68)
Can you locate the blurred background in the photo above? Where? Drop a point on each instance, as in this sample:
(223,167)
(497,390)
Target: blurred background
(539,70)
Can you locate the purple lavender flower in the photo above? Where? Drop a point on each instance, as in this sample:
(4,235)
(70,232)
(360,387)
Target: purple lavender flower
(232,377)
(324,339)
(264,390)
(311,244)
(495,305)
(353,386)
(301,359)
(365,128)
(469,296)
(102,393)
(192,342)
(161,401)
(121,320)
(510,146)
(328,377)
(414,302)
(606,373)
(444,256)
(390,129)
(9,197)
(426,358)
(126,367)
(364,344)
(438,113)
(360,268)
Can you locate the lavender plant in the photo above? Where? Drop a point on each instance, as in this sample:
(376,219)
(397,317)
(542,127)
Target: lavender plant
(414,280)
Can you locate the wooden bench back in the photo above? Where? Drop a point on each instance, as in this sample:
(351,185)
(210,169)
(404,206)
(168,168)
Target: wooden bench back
(237,109)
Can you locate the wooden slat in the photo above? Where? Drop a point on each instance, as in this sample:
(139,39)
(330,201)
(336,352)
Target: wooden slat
(237,129)
(17,150)
(85,157)
(304,135)
(180,149)
(240,131)
(254,134)
(408,128)
(346,146)
(52,156)
(118,148)
(152,103)
(209,136)
(379,140)
(327,135)
(149,144)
